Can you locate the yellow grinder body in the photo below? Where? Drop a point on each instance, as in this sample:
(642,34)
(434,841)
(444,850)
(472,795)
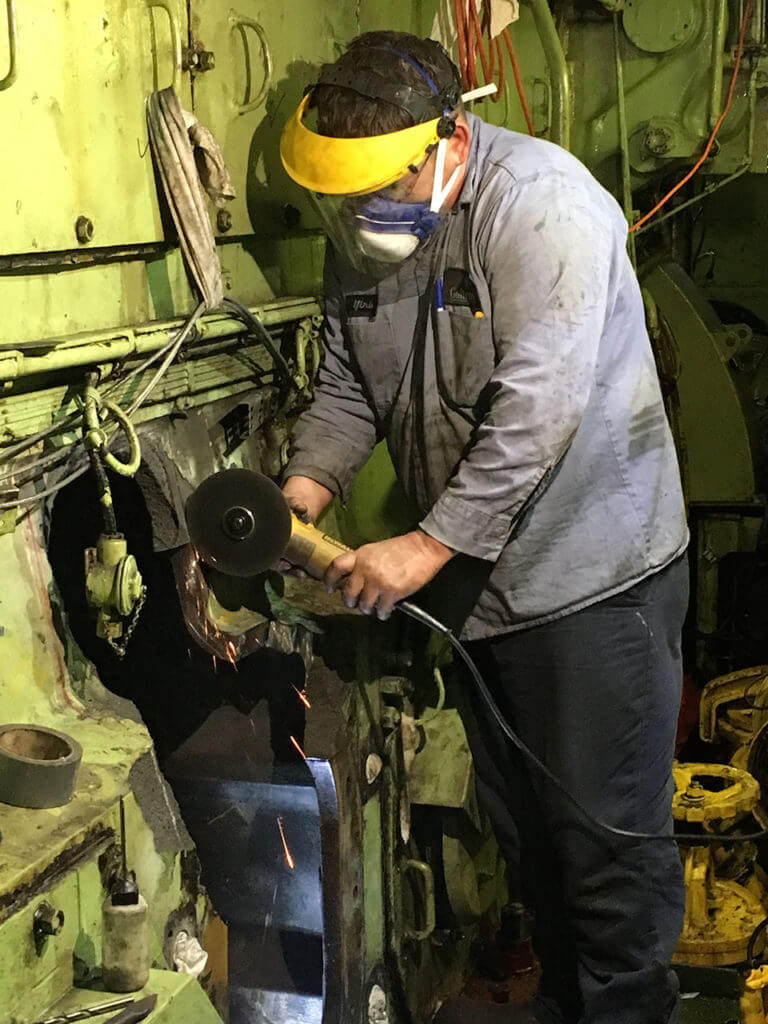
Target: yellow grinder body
(239,522)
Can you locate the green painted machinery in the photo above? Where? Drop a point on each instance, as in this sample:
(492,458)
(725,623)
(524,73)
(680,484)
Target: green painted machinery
(93,291)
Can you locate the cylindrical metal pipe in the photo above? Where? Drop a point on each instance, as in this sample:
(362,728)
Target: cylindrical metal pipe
(125,945)
(110,346)
(560,82)
(718,54)
(621,106)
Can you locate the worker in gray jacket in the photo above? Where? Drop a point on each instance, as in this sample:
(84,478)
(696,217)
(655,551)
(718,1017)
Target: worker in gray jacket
(482,317)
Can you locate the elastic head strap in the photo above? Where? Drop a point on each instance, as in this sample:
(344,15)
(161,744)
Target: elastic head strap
(415,65)
(375,86)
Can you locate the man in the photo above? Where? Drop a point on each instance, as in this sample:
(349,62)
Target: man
(483,318)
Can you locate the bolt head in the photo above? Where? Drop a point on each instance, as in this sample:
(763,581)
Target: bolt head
(223,220)
(238,522)
(84,229)
(373,766)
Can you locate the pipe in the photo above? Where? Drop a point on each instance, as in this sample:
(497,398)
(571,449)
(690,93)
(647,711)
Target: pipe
(718,70)
(621,107)
(560,83)
(121,343)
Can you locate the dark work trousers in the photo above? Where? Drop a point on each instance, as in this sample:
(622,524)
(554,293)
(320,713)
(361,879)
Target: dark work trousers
(596,696)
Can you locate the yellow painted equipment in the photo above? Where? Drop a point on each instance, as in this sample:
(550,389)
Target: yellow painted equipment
(725,894)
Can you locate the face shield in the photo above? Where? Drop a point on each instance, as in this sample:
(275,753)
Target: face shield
(362,187)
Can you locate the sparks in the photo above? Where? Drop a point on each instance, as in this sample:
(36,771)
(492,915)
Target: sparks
(231,653)
(295,742)
(302,695)
(288,858)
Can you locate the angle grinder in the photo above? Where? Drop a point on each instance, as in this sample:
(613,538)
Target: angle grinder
(240,523)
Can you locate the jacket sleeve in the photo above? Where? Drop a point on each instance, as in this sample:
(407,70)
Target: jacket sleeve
(547,249)
(334,437)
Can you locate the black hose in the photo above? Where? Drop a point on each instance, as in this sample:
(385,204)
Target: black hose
(753,941)
(438,627)
(105,494)
(245,316)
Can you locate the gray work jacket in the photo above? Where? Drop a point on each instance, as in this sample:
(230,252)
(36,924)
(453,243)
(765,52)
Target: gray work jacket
(532,438)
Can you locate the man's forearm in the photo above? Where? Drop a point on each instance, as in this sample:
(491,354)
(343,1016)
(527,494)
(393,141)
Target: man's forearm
(304,491)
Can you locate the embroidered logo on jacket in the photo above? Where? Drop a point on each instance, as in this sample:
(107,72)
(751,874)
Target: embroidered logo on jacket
(362,306)
(459,289)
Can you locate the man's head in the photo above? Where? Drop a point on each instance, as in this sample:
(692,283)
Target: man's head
(384,83)
(405,59)
(388,134)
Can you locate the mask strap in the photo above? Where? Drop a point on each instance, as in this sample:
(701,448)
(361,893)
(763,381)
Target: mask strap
(440,193)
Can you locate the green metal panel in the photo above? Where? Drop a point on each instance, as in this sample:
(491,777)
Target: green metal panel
(180,1000)
(265,55)
(713,430)
(658,28)
(373,892)
(73,120)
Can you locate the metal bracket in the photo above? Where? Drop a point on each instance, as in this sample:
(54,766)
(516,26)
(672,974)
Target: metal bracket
(175,41)
(422,869)
(8,520)
(10,78)
(237,21)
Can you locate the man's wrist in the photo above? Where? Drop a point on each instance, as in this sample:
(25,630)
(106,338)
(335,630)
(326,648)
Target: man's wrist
(434,547)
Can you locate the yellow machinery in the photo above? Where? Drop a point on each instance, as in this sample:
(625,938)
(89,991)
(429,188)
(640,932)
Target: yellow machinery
(726,898)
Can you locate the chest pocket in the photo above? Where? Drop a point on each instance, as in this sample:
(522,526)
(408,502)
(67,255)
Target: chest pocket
(373,346)
(464,356)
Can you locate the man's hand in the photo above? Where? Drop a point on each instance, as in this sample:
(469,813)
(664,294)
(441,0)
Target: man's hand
(377,576)
(306,499)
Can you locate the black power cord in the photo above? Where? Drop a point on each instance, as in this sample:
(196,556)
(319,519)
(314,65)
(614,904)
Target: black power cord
(427,620)
(257,328)
(752,960)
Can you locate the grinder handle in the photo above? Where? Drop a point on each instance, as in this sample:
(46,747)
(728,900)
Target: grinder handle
(310,549)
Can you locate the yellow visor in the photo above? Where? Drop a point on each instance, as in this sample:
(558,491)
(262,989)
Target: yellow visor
(336,167)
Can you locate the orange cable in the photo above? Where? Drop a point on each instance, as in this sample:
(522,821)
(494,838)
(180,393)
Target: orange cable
(519,82)
(715,130)
(497,95)
(471,58)
(479,37)
(470,43)
(458,8)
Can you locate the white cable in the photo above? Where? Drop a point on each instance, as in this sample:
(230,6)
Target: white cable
(480,93)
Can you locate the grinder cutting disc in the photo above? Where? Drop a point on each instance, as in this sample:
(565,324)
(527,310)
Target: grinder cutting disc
(239,522)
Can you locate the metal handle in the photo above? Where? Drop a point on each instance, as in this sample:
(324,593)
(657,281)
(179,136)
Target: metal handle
(175,39)
(546,88)
(10,78)
(429,899)
(238,21)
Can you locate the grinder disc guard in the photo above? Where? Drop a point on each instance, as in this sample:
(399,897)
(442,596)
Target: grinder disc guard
(238,522)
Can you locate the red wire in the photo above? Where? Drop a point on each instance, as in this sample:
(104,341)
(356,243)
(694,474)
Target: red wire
(469,38)
(715,130)
(461,39)
(471,59)
(519,82)
(479,36)
(497,95)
